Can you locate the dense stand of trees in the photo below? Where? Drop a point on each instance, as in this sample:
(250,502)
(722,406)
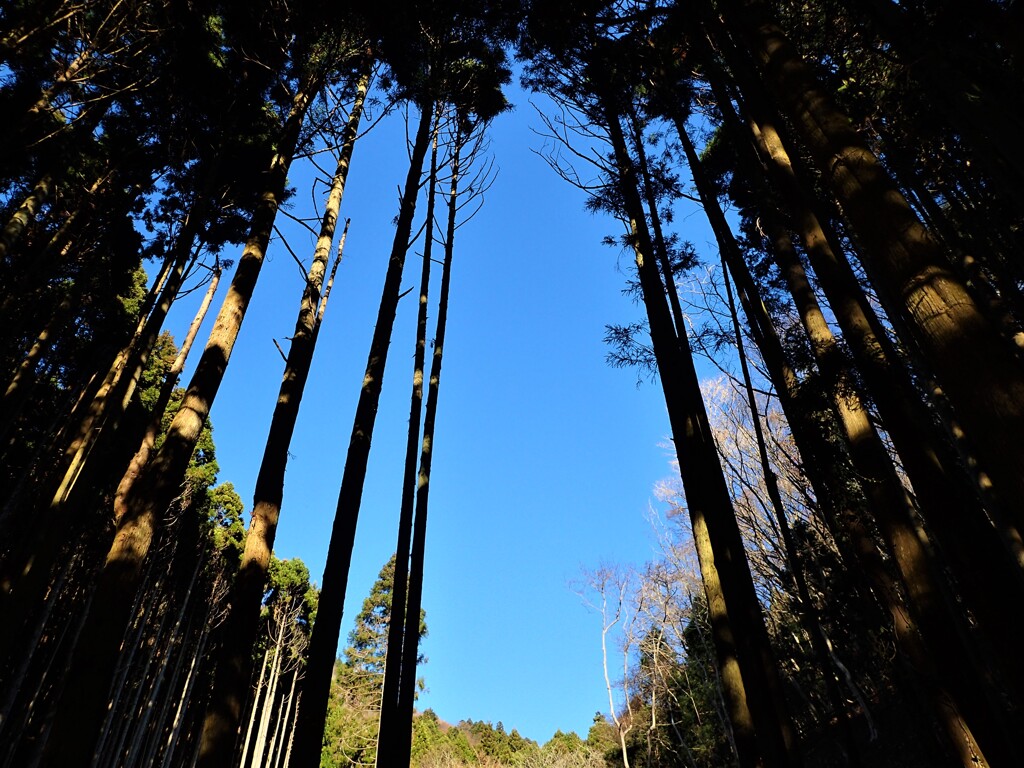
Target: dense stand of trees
(874,461)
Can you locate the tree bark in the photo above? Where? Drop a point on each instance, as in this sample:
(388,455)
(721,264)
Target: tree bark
(764,735)
(141,457)
(79,714)
(323,644)
(982,378)
(410,646)
(391,722)
(234,662)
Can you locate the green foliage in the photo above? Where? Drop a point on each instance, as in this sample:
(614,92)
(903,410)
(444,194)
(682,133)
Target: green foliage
(223,513)
(492,742)
(602,737)
(289,585)
(354,708)
(159,363)
(433,741)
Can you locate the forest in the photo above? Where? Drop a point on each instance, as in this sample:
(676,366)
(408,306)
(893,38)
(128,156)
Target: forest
(841,550)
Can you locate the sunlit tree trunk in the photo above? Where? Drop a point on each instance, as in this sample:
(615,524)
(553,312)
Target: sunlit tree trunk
(894,512)
(142,455)
(889,502)
(234,665)
(983,568)
(254,707)
(982,378)
(270,703)
(750,679)
(25,214)
(79,713)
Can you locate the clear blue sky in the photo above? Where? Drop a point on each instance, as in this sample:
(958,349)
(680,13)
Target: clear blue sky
(545,458)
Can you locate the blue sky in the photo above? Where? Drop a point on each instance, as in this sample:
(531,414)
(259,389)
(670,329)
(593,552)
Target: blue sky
(545,458)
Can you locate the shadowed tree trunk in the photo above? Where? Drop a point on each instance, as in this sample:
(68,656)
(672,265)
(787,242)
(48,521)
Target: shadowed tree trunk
(234,664)
(984,569)
(324,642)
(391,723)
(80,710)
(976,367)
(890,505)
(410,648)
(750,679)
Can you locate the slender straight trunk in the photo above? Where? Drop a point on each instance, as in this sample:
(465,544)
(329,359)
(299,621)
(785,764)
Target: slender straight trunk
(27,572)
(234,663)
(402,733)
(84,125)
(806,609)
(824,460)
(291,732)
(284,723)
(324,642)
(890,504)
(894,512)
(171,757)
(142,455)
(170,704)
(32,282)
(764,735)
(107,408)
(270,705)
(16,396)
(254,708)
(985,572)
(79,713)
(172,648)
(127,717)
(982,378)
(391,722)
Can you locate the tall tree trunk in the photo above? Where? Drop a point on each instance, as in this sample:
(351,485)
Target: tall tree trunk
(890,505)
(402,733)
(806,609)
(101,420)
(750,679)
(16,396)
(391,723)
(985,573)
(324,642)
(79,714)
(31,567)
(270,703)
(234,662)
(981,564)
(894,512)
(142,455)
(979,373)
(254,708)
